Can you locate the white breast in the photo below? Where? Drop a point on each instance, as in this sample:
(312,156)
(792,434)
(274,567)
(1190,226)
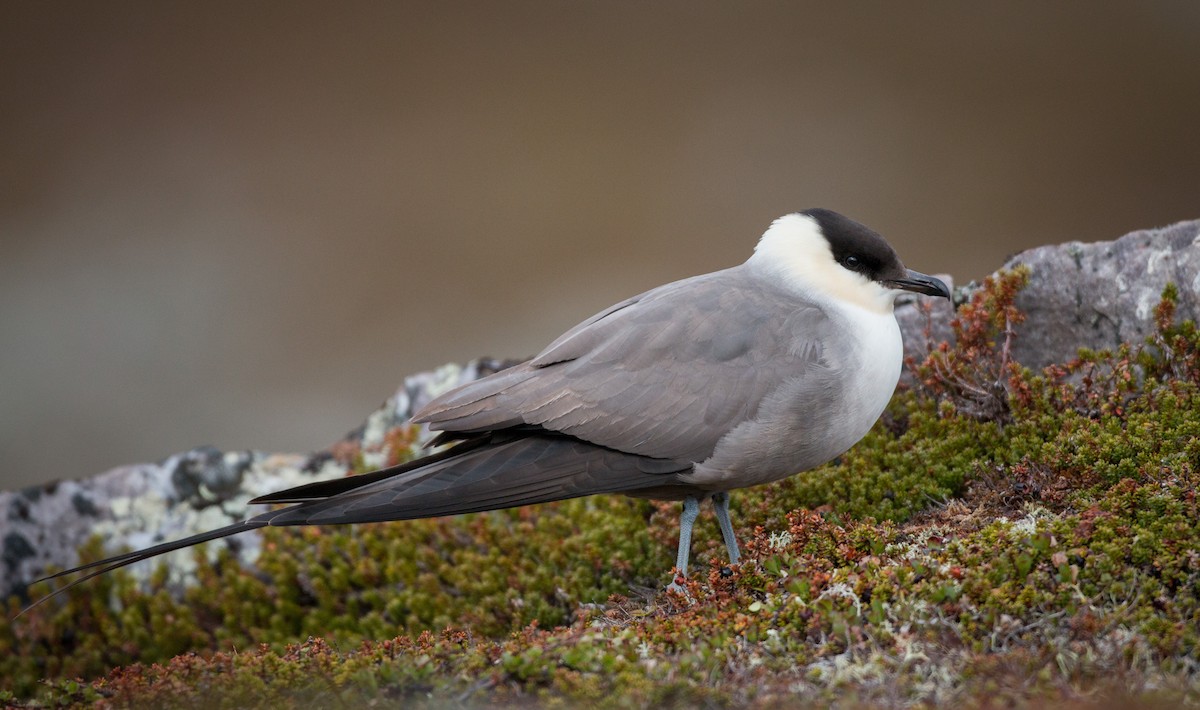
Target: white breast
(882,356)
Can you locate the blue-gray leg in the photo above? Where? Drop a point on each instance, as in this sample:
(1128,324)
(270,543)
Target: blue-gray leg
(721,506)
(691,510)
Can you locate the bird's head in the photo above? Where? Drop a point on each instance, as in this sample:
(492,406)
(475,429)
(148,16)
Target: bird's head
(824,255)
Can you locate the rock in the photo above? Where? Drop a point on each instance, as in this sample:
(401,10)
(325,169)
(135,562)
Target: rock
(1103,294)
(1080,295)
(137,506)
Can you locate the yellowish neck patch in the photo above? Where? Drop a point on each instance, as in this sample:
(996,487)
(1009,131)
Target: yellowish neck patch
(794,252)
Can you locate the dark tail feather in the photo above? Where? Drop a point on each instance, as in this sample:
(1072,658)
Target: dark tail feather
(504,472)
(111,563)
(484,473)
(321,490)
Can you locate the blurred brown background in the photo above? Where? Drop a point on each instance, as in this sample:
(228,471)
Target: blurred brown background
(243,223)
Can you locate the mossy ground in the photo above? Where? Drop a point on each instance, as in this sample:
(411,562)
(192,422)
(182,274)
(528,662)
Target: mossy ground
(1001,537)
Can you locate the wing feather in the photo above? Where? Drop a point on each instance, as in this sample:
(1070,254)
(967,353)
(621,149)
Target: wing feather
(665,374)
(520,471)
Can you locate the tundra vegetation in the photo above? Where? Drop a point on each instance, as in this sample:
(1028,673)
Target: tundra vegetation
(1002,537)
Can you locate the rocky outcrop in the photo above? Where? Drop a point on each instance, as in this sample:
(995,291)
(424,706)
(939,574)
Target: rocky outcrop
(41,527)
(1103,294)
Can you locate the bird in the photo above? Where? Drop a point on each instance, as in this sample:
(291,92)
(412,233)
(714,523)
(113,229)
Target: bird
(686,392)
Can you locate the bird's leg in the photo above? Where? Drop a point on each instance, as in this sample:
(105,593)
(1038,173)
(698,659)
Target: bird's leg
(721,506)
(691,510)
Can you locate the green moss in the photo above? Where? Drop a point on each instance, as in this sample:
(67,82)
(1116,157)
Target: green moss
(1033,545)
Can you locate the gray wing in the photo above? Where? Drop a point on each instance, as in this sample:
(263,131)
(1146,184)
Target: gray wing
(665,374)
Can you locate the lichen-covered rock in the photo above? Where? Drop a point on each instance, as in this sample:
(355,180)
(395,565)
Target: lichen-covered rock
(137,506)
(1103,294)
(42,527)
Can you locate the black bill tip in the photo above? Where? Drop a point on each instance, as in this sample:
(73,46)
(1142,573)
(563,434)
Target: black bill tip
(917,282)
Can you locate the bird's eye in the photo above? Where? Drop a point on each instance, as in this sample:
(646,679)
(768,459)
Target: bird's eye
(852,262)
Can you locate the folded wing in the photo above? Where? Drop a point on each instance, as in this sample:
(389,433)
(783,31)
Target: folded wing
(665,374)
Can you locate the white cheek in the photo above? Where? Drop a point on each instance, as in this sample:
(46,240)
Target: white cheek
(794,254)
